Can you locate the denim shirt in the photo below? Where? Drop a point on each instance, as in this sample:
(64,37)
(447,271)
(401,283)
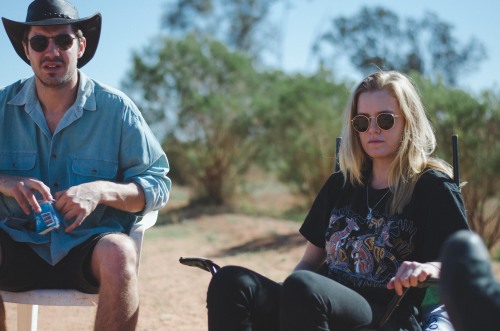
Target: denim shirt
(102,136)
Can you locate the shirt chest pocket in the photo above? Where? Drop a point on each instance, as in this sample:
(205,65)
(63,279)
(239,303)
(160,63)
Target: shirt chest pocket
(89,170)
(18,163)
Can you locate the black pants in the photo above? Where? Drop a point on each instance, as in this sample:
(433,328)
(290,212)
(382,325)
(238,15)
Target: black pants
(242,300)
(467,286)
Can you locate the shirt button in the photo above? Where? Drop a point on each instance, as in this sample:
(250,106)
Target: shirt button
(56,185)
(94,172)
(53,156)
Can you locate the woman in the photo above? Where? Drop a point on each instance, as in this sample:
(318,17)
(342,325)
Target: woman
(390,203)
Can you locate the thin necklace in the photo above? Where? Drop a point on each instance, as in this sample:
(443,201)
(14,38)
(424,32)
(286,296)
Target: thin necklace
(370,210)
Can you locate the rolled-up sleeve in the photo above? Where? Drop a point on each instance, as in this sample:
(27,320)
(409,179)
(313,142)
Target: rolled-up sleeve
(156,185)
(143,160)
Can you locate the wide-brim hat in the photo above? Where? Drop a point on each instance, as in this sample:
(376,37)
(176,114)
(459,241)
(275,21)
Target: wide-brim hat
(55,12)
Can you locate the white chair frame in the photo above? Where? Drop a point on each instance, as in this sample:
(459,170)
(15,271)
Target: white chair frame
(28,302)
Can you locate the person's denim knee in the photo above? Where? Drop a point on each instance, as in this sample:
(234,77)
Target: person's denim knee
(467,285)
(464,244)
(464,257)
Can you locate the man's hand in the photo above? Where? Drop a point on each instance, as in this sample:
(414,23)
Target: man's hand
(78,202)
(409,274)
(22,190)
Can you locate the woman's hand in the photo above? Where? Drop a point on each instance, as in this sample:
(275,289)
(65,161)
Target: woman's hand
(410,274)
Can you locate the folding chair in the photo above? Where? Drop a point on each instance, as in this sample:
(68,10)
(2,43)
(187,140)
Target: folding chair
(28,302)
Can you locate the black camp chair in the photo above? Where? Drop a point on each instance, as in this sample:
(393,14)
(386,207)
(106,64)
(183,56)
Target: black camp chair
(212,267)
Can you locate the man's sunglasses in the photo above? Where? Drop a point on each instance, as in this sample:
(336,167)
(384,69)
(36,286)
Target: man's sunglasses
(385,121)
(40,43)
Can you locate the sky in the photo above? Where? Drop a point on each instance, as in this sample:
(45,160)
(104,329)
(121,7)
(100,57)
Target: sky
(130,25)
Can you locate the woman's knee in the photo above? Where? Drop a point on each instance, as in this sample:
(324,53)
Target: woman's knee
(232,285)
(300,285)
(228,279)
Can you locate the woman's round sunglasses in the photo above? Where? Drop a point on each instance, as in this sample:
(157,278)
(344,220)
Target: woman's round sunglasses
(385,121)
(40,43)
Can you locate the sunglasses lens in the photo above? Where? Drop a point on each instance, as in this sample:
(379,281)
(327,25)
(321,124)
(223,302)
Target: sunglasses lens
(63,41)
(39,43)
(385,121)
(360,123)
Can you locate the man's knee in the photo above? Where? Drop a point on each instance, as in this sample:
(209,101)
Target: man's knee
(114,254)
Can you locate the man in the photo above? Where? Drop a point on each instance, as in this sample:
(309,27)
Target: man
(68,138)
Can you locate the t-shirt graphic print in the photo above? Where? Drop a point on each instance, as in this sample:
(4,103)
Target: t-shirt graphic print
(366,252)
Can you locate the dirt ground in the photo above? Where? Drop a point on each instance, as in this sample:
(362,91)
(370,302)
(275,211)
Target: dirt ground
(173,295)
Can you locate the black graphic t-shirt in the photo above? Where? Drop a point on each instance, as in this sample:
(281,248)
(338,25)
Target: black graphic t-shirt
(364,249)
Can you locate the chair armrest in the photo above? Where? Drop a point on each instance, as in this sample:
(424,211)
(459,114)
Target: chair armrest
(428,282)
(397,299)
(137,231)
(200,262)
(144,223)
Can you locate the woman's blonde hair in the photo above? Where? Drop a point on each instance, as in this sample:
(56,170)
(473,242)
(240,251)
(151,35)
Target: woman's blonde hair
(417,142)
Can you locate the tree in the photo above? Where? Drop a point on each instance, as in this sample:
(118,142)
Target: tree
(477,123)
(377,38)
(222,116)
(242,25)
(208,93)
(304,113)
